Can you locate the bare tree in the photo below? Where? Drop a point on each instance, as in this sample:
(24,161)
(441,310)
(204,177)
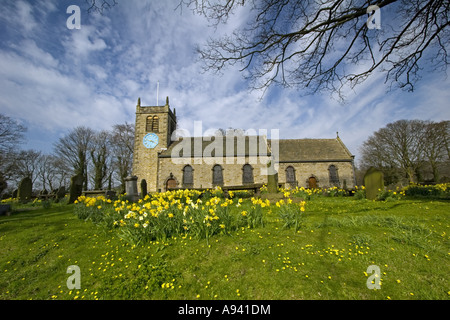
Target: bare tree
(11,136)
(122,144)
(73,149)
(399,145)
(315,44)
(100,152)
(46,171)
(436,146)
(27,163)
(52,172)
(11,133)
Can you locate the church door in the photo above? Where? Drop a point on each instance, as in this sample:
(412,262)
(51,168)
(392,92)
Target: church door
(171,184)
(312,183)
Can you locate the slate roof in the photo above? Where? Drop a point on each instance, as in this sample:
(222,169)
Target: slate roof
(312,150)
(290,150)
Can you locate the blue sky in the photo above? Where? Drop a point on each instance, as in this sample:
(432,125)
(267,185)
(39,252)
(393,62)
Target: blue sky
(53,79)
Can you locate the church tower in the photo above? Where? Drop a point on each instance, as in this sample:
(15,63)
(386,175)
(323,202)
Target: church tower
(153,130)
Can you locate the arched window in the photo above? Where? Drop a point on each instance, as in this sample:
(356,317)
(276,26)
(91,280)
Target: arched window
(333,173)
(290,177)
(148,124)
(152,124)
(188,177)
(247,174)
(155,124)
(217,176)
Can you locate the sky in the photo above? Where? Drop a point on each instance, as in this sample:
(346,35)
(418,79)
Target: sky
(53,79)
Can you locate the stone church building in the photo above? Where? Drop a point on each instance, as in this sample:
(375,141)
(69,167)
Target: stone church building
(166,159)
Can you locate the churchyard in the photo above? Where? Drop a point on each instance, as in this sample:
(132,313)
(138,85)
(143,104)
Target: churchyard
(300,244)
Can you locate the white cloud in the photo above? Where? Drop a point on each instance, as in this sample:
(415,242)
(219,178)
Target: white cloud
(82,42)
(25,16)
(29,49)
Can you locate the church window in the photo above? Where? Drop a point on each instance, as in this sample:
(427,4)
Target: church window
(188,177)
(217,175)
(247,174)
(290,177)
(148,124)
(333,173)
(155,124)
(152,124)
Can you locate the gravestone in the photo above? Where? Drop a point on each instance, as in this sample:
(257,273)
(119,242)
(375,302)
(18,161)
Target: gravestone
(24,192)
(5,209)
(143,188)
(43,194)
(60,193)
(131,188)
(373,182)
(110,195)
(272,179)
(76,187)
(272,183)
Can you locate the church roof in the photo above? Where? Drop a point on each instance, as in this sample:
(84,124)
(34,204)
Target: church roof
(312,150)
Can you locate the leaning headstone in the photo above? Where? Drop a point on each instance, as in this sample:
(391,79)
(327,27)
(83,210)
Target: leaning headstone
(373,182)
(131,188)
(76,187)
(24,192)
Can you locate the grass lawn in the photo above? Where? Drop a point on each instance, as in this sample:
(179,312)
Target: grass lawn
(328,258)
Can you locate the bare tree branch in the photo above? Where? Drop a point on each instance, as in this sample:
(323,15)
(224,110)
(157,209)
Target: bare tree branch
(11,134)
(99,6)
(325,44)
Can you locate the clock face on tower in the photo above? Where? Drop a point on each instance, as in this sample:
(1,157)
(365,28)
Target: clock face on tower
(150,140)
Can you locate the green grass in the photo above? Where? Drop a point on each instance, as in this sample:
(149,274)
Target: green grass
(339,238)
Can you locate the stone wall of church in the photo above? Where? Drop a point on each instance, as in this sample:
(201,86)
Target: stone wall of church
(320,171)
(203,171)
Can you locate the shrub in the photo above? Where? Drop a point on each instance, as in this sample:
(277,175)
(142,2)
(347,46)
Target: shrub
(291,214)
(390,195)
(359,194)
(435,191)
